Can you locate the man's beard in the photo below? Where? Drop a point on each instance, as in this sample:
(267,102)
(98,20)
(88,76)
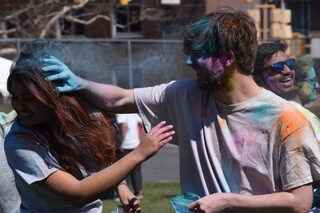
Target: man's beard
(212,81)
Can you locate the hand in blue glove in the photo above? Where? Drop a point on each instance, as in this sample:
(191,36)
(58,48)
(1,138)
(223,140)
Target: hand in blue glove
(71,82)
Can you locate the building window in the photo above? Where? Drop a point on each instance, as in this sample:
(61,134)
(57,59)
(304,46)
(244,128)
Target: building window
(128,19)
(69,28)
(300,13)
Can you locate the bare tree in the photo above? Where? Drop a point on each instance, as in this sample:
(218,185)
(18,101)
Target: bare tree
(58,18)
(53,18)
(50,18)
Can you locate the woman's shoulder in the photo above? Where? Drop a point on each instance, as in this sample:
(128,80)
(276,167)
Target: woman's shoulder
(22,137)
(27,154)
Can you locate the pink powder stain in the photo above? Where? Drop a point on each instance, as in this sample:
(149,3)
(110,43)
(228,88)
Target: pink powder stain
(213,66)
(271,83)
(240,140)
(246,138)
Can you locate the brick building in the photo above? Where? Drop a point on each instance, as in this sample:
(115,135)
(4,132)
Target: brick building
(159,19)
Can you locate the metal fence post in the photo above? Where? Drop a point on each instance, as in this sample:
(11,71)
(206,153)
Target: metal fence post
(18,46)
(130,64)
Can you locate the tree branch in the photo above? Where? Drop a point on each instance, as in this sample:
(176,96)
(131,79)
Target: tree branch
(59,15)
(8,51)
(13,30)
(93,19)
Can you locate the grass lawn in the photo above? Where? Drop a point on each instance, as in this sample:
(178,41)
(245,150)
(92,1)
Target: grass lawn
(155,198)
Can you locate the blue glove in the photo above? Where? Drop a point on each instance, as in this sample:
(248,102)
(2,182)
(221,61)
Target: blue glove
(71,82)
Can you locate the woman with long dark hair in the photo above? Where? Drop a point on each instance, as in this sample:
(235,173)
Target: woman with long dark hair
(60,155)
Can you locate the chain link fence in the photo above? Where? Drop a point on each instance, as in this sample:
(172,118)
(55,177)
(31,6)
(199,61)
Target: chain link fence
(127,63)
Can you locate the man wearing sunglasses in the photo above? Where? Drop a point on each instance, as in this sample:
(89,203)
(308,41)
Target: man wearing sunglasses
(237,142)
(294,80)
(274,70)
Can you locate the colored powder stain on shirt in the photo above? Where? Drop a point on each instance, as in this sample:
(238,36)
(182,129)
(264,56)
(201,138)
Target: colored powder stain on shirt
(240,140)
(222,122)
(291,120)
(261,111)
(247,137)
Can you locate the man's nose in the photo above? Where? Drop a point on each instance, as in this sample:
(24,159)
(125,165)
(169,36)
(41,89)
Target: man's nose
(286,70)
(317,86)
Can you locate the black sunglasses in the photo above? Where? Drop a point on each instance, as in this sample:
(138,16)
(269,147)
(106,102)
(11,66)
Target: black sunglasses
(279,66)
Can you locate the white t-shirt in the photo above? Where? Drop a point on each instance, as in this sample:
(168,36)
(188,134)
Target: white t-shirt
(29,157)
(131,139)
(260,146)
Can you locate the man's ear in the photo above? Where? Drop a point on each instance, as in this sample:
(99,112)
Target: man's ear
(230,59)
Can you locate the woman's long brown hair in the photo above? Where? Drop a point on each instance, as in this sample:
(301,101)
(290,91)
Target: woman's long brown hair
(73,133)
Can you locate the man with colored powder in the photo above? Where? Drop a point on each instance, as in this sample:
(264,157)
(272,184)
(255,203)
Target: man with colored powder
(242,148)
(276,72)
(273,70)
(294,80)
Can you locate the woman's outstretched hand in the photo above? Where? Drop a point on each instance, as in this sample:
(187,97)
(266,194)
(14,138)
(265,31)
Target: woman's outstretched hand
(71,82)
(155,139)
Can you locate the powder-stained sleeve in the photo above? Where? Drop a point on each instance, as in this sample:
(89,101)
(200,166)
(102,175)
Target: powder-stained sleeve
(157,104)
(27,157)
(299,159)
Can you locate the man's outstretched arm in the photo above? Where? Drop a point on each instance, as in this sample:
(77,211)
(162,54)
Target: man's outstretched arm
(297,200)
(109,97)
(104,96)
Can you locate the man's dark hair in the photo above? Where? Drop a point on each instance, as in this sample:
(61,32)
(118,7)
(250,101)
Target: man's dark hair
(264,54)
(221,32)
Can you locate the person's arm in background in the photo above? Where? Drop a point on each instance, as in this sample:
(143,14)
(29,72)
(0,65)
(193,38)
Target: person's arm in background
(127,198)
(108,97)
(141,132)
(297,200)
(124,129)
